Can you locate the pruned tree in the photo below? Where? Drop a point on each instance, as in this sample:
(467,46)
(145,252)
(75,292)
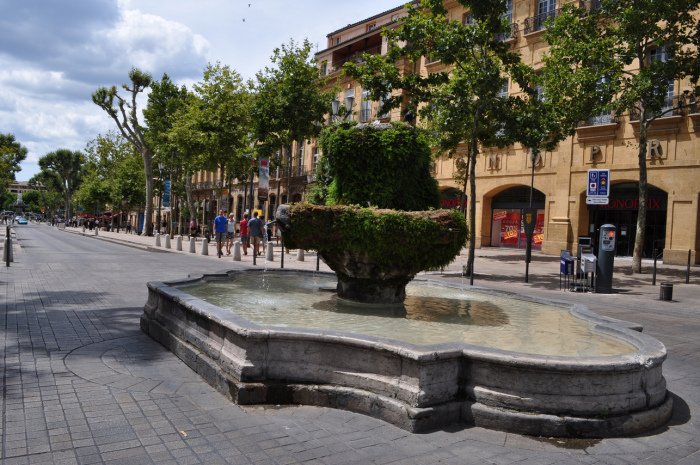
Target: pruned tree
(125,115)
(624,56)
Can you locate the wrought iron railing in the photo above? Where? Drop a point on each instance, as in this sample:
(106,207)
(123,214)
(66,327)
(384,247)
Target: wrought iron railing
(536,23)
(357,57)
(295,172)
(365,114)
(671,107)
(589,5)
(599,120)
(512,34)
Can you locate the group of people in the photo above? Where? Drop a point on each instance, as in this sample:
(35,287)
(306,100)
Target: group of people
(252,231)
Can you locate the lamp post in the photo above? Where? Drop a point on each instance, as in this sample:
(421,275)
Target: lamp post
(335,106)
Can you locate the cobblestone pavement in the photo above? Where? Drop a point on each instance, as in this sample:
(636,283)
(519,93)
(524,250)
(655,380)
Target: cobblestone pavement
(82,384)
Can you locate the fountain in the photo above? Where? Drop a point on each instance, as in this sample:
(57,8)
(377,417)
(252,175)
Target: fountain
(393,371)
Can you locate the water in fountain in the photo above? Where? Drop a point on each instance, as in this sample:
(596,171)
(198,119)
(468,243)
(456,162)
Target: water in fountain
(430,315)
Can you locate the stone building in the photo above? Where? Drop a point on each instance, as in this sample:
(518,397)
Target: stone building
(560,181)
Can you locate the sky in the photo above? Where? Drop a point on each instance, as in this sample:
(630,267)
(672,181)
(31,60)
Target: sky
(55,53)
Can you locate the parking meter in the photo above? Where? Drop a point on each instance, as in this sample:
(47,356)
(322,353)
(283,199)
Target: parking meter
(606,258)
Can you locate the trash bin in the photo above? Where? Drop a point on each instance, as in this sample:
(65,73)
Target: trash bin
(666,292)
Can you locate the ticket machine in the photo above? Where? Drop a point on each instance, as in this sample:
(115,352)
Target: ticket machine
(606,258)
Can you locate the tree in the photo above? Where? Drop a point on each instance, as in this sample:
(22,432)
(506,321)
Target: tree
(211,128)
(624,56)
(126,116)
(62,171)
(464,105)
(12,153)
(164,102)
(289,104)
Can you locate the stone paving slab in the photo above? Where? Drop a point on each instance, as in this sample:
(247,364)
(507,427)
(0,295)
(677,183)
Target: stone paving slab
(81,384)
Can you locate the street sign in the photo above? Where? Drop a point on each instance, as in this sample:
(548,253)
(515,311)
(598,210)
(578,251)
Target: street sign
(598,183)
(597,200)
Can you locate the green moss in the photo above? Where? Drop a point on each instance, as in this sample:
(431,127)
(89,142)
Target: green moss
(411,240)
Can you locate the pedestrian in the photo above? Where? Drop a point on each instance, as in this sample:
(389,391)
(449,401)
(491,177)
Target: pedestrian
(255,231)
(278,233)
(245,239)
(128,227)
(193,229)
(220,229)
(230,233)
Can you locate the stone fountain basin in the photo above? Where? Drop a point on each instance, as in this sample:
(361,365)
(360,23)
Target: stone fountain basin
(417,388)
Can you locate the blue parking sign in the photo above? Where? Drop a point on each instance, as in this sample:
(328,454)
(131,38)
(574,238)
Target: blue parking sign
(598,183)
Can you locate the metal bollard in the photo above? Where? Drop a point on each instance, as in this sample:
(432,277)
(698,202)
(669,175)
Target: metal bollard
(205,246)
(318,260)
(192,245)
(687,273)
(300,255)
(157,240)
(666,292)
(237,251)
(269,254)
(167,241)
(178,244)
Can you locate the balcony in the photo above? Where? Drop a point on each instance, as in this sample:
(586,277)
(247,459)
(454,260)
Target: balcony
(506,36)
(599,120)
(671,103)
(356,57)
(589,5)
(536,23)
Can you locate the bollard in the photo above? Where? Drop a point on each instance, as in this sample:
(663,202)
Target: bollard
(157,240)
(300,255)
(205,246)
(282,254)
(7,249)
(666,292)
(192,245)
(96,231)
(237,251)
(269,254)
(687,272)
(83,229)
(178,244)
(318,260)
(653,274)
(167,241)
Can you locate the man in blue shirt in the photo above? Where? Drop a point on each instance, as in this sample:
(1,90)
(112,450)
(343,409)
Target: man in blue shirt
(220,231)
(255,229)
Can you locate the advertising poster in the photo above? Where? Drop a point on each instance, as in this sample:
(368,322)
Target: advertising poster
(510,229)
(166,193)
(263,179)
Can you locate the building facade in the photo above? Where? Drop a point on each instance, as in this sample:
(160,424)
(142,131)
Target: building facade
(561,177)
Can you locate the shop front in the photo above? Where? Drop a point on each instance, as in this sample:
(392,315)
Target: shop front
(622,212)
(507,214)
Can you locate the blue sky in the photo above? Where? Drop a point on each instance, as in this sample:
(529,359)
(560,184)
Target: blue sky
(55,53)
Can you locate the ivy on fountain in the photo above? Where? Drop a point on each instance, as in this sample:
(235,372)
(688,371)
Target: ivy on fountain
(382,165)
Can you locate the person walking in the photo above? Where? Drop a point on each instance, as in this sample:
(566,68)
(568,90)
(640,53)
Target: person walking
(256,231)
(245,238)
(220,224)
(230,233)
(128,227)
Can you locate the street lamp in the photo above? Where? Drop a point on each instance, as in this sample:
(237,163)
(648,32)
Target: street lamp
(335,106)
(160,195)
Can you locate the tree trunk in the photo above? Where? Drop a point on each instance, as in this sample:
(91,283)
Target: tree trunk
(472,200)
(148,214)
(642,211)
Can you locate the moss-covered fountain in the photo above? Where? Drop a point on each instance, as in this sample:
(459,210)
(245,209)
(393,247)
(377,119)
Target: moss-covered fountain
(375,252)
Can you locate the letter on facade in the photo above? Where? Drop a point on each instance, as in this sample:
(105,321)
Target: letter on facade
(654,148)
(595,152)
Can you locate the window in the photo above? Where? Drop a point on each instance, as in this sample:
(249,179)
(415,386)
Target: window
(381,112)
(366,106)
(300,160)
(503,93)
(337,41)
(661,54)
(508,15)
(604,117)
(546,6)
(317,155)
(539,92)
(372,27)
(324,68)
(468,19)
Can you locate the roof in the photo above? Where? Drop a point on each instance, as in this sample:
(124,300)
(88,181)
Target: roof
(368,19)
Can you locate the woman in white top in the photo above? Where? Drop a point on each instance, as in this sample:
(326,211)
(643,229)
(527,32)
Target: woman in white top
(230,233)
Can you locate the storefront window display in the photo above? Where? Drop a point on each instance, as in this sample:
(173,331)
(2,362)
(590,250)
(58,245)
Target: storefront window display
(507,229)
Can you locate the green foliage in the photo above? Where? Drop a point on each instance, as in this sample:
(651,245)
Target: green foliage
(7,198)
(382,167)
(289,102)
(33,201)
(12,153)
(392,239)
(62,173)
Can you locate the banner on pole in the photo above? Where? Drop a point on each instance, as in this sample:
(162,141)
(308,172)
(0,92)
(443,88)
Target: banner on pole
(166,193)
(263,179)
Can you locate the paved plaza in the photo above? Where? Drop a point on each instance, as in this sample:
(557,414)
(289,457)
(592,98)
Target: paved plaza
(82,384)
